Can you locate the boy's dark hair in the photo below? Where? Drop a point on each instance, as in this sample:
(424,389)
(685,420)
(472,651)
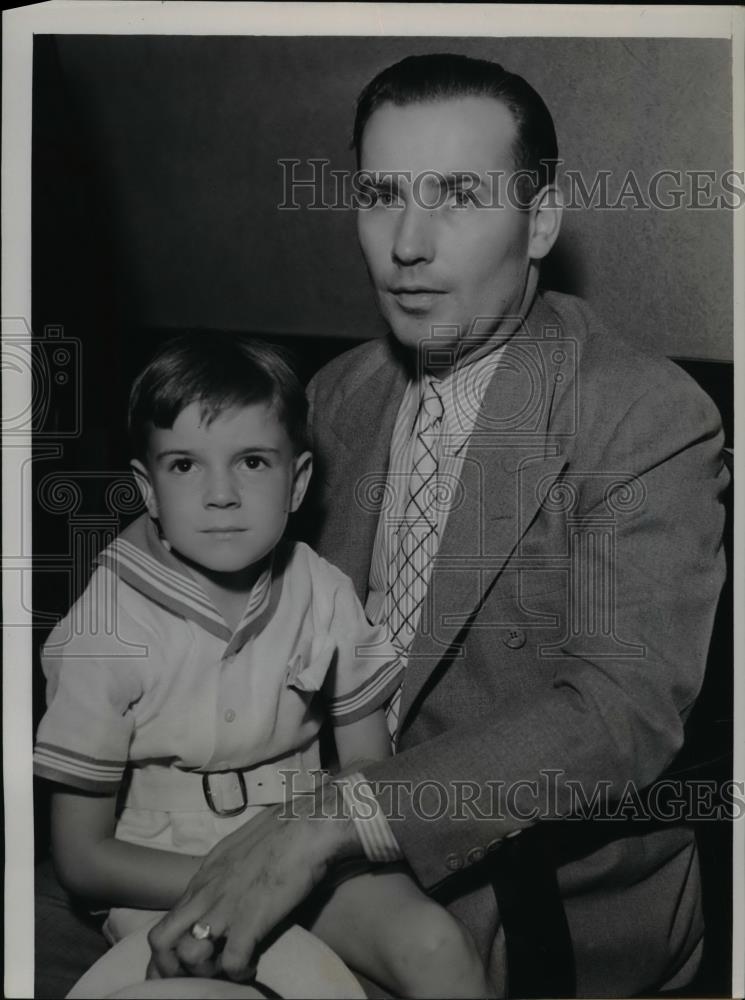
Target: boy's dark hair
(218,371)
(440,76)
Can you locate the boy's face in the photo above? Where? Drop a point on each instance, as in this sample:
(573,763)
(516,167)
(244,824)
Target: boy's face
(223,491)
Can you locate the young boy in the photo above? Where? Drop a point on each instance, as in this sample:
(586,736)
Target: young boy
(169,726)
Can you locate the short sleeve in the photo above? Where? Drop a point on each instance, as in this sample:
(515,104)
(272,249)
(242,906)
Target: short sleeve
(92,683)
(367,669)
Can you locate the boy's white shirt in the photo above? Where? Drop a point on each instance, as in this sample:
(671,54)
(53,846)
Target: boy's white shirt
(143,668)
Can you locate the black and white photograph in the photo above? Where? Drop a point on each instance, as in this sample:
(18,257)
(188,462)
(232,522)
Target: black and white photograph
(369,530)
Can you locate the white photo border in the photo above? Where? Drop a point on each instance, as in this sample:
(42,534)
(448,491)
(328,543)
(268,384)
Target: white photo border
(177,18)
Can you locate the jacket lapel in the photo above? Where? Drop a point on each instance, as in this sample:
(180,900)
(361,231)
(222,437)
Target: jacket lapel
(364,431)
(510,464)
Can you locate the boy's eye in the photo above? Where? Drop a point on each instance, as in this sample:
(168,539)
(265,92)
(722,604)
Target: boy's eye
(182,465)
(254,462)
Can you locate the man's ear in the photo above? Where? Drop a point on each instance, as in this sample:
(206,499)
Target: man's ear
(145,486)
(545,221)
(303,469)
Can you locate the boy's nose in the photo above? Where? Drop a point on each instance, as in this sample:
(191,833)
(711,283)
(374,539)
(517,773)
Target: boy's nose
(222,492)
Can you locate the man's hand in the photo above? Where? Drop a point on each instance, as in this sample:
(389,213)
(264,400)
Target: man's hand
(249,882)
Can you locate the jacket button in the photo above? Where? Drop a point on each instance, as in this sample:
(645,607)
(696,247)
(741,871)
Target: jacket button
(454,862)
(230,715)
(514,639)
(494,844)
(475,855)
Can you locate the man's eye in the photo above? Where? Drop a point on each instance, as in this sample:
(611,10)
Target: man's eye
(182,465)
(387,199)
(462,199)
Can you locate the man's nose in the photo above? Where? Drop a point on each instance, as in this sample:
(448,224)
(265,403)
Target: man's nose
(221,491)
(414,237)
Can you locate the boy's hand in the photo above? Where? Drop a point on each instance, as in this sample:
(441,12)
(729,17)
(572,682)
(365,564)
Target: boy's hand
(250,882)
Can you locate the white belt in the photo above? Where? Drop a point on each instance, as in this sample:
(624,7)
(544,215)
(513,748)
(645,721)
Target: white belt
(227,793)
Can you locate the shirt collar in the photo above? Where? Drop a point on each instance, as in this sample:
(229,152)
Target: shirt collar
(139,557)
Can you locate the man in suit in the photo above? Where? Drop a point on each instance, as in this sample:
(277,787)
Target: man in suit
(533,505)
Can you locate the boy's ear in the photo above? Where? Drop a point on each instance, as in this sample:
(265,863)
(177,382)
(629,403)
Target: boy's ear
(303,469)
(145,486)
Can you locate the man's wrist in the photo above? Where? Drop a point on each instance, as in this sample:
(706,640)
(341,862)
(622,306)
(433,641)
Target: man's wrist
(370,822)
(341,842)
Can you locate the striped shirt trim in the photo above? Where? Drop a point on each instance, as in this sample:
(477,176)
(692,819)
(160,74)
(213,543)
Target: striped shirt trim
(86,758)
(369,696)
(371,825)
(258,603)
(138,558)
(72,765)
(167,598)
(74,780)
(168,577)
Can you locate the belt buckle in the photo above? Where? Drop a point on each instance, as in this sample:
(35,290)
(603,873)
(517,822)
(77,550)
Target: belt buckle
(211,802)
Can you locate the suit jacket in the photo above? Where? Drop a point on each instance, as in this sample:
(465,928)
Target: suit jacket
(565,631)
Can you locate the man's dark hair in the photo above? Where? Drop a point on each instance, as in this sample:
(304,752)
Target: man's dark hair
(218,371)
(441,76)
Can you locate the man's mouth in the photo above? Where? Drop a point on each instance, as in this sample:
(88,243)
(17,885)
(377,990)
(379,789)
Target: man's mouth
(416,298)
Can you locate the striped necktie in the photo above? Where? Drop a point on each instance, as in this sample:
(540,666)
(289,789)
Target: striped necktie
(409,575)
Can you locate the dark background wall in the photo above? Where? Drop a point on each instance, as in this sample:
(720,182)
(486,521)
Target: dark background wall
(159,162)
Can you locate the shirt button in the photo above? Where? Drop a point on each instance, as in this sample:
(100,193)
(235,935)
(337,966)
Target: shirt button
(229,715)
(514,639)
(454,862)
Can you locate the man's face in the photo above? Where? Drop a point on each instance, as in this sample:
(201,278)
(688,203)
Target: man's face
(222,491)
(454,263)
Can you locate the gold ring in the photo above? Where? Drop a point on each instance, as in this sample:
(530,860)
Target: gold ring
(201,931)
